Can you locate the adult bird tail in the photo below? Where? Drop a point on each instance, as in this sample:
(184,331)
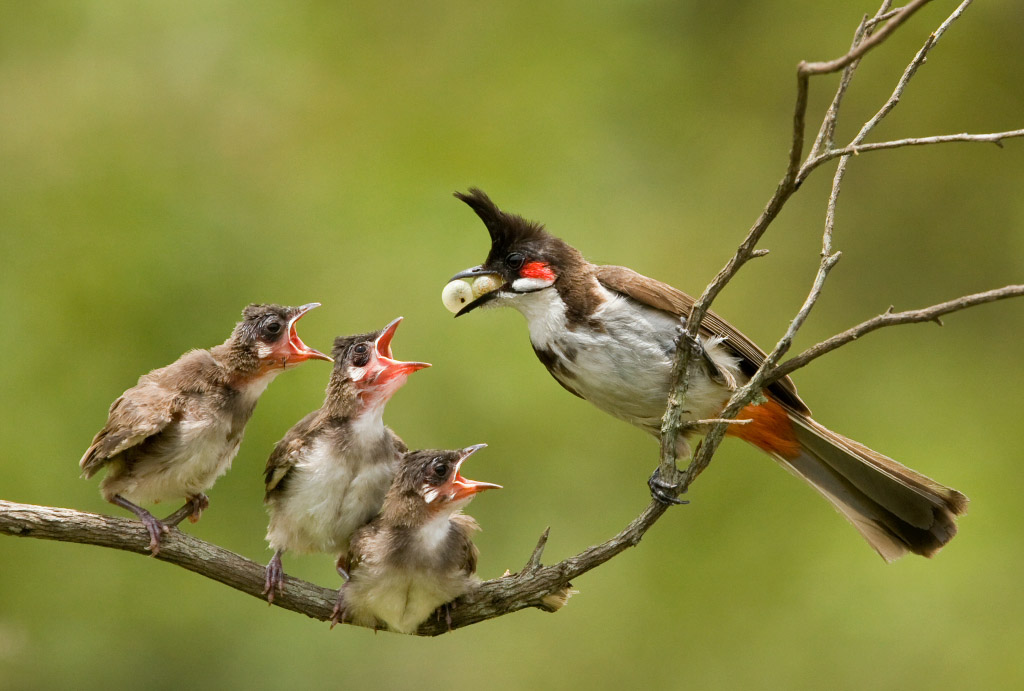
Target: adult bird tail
(896,509)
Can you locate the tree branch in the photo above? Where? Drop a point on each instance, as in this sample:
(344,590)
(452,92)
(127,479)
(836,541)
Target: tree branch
(864,41)
(890,318)
(543,587)
(855,149)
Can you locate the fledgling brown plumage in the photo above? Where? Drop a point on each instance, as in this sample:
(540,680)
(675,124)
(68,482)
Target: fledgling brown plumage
(330,472)
(417,555)
(176,431)
(608,335)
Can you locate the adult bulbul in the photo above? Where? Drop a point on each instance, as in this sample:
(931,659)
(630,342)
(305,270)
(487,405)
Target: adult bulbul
(176,431)
(330,472)
(608,335)
(417,555)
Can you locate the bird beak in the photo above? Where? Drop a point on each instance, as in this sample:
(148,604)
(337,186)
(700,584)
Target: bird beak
(472,273)
(389,368)
(482,291)
(294,349)
(463,488)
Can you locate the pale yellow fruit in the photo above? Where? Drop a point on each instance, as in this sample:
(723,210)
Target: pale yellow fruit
(456,295)
(485,284)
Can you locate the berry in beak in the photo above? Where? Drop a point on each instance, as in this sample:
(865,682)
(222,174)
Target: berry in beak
(470,289)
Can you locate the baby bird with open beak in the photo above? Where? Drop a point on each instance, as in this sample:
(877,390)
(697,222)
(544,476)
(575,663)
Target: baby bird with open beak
(417,555)
(329,474)
(176,431)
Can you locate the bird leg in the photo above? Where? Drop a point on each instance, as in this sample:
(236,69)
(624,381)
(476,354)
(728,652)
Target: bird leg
(153,524)
(192,510)
(338,614)
(275,577)
(663,490)
(342,566)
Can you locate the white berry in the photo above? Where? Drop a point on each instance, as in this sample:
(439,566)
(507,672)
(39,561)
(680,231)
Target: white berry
(456,295)
(485,284)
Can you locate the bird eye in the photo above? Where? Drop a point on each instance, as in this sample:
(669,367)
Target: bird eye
(515,261)
(272,328)
(440,469)
(360,354)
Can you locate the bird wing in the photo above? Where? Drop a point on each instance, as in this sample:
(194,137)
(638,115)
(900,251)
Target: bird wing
(662,296)
(397,442)
(286,454)
(137,415)
(466,553)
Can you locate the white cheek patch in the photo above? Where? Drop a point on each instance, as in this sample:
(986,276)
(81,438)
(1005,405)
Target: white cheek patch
(356,373)
(430,494)
(264,351)
(529,285)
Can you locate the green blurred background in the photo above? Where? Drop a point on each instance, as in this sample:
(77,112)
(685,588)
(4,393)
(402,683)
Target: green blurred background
(163,164)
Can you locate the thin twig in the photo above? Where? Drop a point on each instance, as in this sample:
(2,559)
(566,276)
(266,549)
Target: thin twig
(890,318)
(884,14)
(893,23)
(855,149)
(826,133)
(816,158)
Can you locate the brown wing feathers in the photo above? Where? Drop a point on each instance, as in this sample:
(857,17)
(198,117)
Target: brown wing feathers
(668,299)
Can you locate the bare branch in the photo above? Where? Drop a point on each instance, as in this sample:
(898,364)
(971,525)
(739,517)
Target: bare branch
(672,419)
(892,23)
(768,371)
(534,562)
(826,133)
(884,14)
(855,149)
(221,565)
(890,318)
(536,586)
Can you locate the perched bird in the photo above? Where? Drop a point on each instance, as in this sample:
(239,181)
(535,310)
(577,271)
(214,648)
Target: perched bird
(330,472)
(176,431)
(417,554)
(608,335)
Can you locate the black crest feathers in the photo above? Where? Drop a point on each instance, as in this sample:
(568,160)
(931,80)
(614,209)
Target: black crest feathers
(506,230)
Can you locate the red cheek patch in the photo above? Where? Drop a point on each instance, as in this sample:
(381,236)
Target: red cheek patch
(537,270)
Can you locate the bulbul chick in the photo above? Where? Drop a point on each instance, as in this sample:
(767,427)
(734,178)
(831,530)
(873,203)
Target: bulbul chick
(175,432)
(608,335)
(417,555)
(330,472)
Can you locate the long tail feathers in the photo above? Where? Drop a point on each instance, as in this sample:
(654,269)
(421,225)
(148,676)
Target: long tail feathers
(896,509)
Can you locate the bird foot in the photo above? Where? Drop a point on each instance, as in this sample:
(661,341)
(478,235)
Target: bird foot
(200,502)
(338,613)
(664,491)
(446,609)
(156,529)
(274,583)
(154,526)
